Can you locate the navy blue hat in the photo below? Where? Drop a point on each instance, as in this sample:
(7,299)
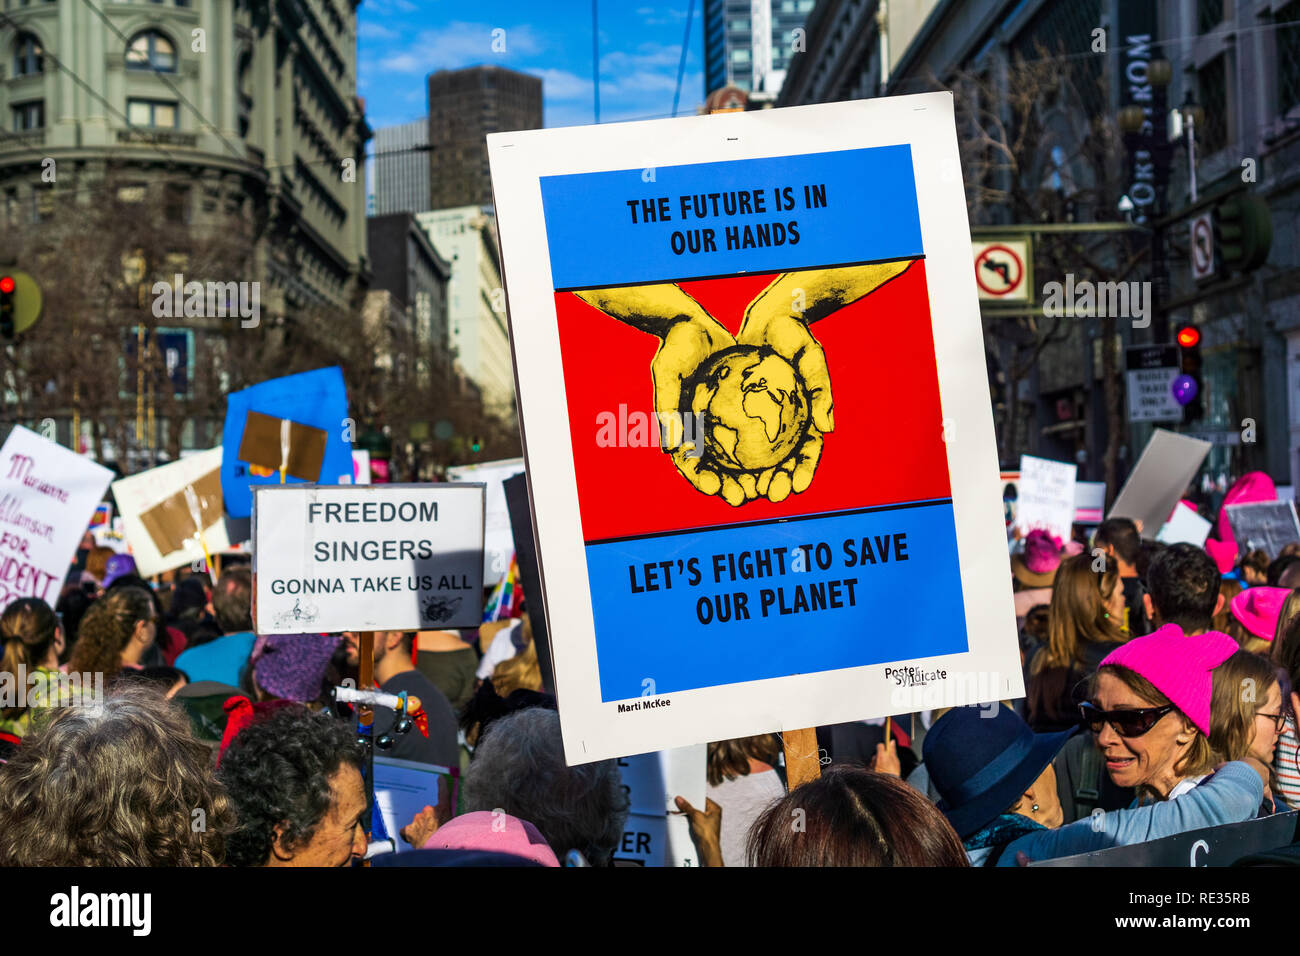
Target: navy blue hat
(982,764)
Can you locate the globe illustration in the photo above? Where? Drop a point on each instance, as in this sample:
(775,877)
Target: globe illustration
(752,407)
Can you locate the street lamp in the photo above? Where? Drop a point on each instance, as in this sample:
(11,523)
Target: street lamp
(1182,123)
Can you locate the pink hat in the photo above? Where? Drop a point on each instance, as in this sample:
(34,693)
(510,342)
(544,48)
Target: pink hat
(1036,568)
(493,832)
(1258,608)
(1250,487)
(1177,665)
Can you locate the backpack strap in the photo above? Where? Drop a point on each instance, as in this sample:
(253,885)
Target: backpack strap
(1088,788)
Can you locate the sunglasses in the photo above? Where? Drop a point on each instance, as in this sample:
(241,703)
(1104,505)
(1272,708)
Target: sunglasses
(1132,722)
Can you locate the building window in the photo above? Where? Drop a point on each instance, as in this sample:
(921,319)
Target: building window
(29,115)
(157,113)
(1209,14)
(1212,82)
(28,56)
(1288,57)
(150,50)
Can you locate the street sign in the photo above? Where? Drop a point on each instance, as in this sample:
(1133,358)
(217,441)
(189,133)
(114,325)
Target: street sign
(1151,370)
(1203,246)
(1002,269)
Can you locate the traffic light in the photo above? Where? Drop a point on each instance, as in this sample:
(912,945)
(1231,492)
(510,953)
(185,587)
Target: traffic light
(7,306)
(1189,353)
(1243,231)
(21,302)
(476,445)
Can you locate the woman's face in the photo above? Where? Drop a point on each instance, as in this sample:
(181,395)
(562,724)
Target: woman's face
(1266,730)
(1147,760)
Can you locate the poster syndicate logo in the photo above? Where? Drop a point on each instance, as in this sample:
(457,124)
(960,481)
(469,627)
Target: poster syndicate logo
(913,676)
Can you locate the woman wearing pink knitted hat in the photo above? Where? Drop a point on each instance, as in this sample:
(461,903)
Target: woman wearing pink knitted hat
(1254,617)
(1149,710)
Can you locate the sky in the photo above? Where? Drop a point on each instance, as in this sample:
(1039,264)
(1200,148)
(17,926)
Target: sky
(401,41)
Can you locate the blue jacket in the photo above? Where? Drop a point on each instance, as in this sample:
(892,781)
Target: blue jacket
(221,660)
(1232,795)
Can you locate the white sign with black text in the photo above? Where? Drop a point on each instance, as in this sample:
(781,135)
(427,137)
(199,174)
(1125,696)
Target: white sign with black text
(367,557)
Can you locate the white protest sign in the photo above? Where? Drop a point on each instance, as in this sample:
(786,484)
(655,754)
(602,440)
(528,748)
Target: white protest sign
(173,512)
(367,557)
(674,581)
(1159,479)
(498,538)
(1185,526)
(47,495)
(360,467)
(655,835)
(1046,496)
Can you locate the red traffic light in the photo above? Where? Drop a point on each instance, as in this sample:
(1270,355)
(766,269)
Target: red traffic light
(1188,336)
(7,284)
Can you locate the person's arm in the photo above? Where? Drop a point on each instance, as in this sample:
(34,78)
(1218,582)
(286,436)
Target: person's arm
(1232,795)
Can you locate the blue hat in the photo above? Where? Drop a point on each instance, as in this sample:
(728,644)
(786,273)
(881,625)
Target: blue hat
(981,764)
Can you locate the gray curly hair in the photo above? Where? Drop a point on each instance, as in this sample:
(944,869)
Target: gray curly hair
(519,768)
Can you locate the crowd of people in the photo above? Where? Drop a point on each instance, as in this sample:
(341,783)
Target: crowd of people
(158,729)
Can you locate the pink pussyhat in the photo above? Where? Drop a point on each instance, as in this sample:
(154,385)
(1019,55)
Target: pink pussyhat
(493,832)
(1177,665)
(1249,488)
(1258,610)
(1042,551)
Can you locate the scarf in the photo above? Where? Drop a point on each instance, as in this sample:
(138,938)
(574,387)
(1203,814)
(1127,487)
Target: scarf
(1001,831)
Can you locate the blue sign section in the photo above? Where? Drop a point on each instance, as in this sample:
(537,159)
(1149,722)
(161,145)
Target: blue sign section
(818,594)
(317,399)
(712,219)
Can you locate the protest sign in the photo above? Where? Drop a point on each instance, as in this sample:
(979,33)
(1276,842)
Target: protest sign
(172,514)
(728,279)
(287,430)
(1089,502)
(498,543)
(1210,846)
(1046,496)
(655,834)
(367,557)
(1157,482)
(47,495)
(521,531)
(360,467)
(1270,525)
(405,787)
(1185,526)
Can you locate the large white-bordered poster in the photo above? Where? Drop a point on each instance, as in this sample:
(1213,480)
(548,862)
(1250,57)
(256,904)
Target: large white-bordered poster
(783,299)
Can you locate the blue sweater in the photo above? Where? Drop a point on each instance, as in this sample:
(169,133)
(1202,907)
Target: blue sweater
(1232,795)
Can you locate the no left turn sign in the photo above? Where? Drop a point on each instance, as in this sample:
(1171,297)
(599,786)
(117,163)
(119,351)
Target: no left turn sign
(1000,270)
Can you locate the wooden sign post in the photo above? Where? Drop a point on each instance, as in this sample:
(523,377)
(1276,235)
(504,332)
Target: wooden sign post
(366,722)
(802,761)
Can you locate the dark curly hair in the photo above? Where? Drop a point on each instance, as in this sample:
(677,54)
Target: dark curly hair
(106,630)
(122,782)
(278,771)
